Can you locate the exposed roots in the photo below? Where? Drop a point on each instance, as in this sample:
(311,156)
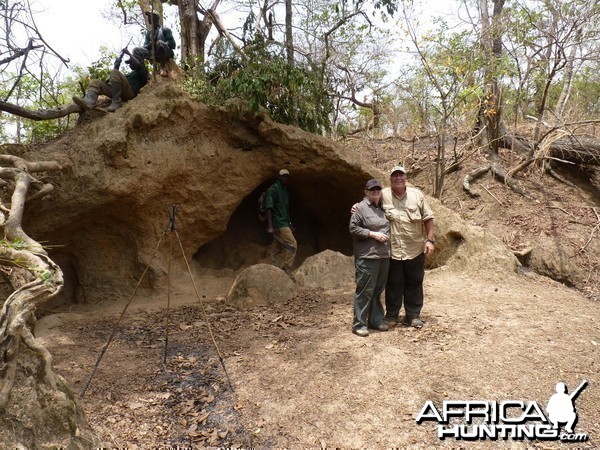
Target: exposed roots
(500,172)
(26,264)
(472,176)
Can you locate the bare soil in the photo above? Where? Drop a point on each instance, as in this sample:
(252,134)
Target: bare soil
(293,375)
(300,378)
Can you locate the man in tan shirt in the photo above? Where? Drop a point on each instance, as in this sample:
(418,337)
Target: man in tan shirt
(412,237)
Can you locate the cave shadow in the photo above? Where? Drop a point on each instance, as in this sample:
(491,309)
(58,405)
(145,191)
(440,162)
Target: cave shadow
(316,227)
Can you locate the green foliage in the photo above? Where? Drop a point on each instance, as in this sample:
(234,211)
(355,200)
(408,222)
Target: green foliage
(17,244)
(266,80)
(98,70)
(586,85)
(32,95)
(48,92)
(542,38)
(447,84)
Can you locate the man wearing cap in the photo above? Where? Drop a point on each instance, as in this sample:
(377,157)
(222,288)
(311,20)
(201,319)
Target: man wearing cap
(412,237)
(159,41)
(279,225)
(370,232)
(120,88)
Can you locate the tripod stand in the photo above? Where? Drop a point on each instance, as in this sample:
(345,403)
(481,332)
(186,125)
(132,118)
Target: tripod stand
(172,230)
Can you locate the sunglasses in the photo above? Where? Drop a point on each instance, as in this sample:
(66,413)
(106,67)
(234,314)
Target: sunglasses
(375,189)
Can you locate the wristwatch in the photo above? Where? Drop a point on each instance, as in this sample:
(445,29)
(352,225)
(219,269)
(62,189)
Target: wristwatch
(431,241)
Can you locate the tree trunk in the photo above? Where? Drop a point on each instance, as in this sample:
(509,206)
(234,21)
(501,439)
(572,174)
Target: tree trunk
(289,48)
(565,93)
(491,41)
(192,47)
(38,410)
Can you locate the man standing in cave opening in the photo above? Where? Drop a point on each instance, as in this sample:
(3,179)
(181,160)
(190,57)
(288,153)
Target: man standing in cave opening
(279,225)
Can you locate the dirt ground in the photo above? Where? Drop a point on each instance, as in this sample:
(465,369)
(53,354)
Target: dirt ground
(293,375)
(297,377)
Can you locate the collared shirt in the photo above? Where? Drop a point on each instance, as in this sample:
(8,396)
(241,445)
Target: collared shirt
(406,216)
(369,217)
(278,201)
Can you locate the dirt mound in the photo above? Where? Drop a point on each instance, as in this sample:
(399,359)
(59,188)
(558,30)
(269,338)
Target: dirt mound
(121,172)
(296,376)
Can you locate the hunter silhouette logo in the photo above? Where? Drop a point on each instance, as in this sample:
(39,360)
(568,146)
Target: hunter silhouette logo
(561,406)
(509,419)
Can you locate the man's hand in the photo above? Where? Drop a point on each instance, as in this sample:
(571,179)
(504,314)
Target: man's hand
(269,230)
(429,247)
(353,209)
(381,237)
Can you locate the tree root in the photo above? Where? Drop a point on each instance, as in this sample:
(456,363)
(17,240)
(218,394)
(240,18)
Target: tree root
(472,176)
(31,342)
(500,172)
(34,276)
(552,173)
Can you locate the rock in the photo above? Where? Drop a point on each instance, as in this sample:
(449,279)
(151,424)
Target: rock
(553,262)
(328,270)
(261,284)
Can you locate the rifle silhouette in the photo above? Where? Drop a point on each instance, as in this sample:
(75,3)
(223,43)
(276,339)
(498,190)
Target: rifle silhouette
(119,59)
(577,391)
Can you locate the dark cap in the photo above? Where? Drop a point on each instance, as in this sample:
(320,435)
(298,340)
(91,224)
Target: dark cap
(373,184)
(153,15)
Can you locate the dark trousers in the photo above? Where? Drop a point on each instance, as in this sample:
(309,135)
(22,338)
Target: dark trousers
(163,53)
(370,283)
(405,283)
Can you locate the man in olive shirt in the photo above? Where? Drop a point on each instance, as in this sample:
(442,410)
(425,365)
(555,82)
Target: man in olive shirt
(279,225)
(119,87)
(412,237)
(159,44)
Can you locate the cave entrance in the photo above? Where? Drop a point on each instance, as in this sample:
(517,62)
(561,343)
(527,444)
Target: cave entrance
(245,241)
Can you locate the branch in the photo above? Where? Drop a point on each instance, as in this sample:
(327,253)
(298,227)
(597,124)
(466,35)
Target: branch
(593,231)
(18,53)
(41,114)
(224,32)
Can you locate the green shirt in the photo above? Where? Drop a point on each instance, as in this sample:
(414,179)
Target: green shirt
(138,78)
(278,201)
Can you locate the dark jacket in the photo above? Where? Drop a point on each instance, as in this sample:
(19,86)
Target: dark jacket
(277,200)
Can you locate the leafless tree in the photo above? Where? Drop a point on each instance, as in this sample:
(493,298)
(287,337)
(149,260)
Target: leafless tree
(24,52)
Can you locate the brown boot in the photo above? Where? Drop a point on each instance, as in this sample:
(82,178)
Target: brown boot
(87,102)
(116,97)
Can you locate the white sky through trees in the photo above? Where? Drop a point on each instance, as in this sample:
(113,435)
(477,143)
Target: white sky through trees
(76,29)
